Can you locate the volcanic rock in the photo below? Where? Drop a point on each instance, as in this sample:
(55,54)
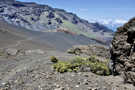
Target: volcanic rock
(123,52)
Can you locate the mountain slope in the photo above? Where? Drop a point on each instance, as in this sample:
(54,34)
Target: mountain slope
(10,35)
(45,18)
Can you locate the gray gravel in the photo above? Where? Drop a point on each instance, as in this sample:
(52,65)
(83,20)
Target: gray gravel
(34,72)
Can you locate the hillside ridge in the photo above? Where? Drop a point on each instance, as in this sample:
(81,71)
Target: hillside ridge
(44,18)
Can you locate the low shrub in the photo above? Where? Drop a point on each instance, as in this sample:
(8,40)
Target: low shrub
(1,53)
(96,66)
(70,51)
(54,59)
(76,51)
(62,66)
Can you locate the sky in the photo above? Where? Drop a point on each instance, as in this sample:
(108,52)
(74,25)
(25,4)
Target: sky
(95,9)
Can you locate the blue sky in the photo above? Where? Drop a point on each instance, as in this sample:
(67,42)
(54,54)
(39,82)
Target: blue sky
(94,9)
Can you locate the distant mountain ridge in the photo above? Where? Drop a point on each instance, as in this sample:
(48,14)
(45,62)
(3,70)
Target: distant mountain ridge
(44,18)
(111,23)
(7,1)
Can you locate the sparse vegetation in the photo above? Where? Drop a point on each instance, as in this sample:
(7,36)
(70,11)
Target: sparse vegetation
(76,64)
(1,53)
(74,28)
(53,59)
(62,66)
(75,51)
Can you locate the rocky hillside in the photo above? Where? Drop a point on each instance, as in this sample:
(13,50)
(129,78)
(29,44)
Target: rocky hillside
(123,52)
(44,18)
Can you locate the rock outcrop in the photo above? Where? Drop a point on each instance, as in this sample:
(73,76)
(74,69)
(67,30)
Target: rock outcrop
(90,50)
(123,52)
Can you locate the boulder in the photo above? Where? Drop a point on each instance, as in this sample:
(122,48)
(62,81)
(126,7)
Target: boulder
(11,51)
(123,52)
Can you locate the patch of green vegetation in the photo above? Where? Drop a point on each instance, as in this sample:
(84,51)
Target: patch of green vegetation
(74,28)
(75,65)
(62,66)
(54,59)
(70,26)
(76,51)
(1,53)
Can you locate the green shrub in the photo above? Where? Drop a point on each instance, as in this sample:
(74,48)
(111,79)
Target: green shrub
(62,66)
(70,51)
(96,66)
(93,58)
(54,59)
(75,51)
(99,68)
(1,53)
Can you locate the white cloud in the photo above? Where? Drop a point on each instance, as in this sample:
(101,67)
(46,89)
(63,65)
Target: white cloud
(109,21)
(120,21)
(105,22)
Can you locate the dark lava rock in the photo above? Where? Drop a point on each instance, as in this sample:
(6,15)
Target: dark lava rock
(74,21)
(51,15)
(123,52)
(59,20)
